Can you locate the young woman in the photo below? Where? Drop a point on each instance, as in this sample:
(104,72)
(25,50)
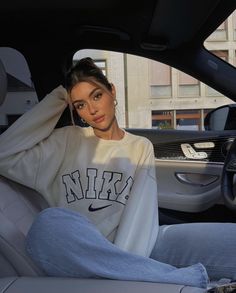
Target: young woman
(101,185)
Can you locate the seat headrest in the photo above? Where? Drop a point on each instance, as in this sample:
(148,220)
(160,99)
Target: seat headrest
(3,83)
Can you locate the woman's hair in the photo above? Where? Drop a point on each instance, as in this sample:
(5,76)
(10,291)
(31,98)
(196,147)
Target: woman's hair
(85,70)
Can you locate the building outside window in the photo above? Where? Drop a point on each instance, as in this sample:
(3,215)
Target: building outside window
(102,64)
(163,119)
(220,34)
(160,80)
(188,119)
(188,86)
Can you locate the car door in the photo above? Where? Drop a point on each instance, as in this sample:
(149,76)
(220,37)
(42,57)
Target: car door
(188,167)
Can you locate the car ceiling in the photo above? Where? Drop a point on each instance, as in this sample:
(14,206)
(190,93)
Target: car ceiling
(166,21)
(160,29)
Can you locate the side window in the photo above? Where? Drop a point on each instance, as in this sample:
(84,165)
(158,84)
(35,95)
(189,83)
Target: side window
(153,95)
(20,96)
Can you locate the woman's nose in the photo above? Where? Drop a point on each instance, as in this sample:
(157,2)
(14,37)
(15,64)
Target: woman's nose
(92,109)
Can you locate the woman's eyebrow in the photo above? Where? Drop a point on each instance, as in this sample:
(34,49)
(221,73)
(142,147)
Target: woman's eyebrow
(77,101)
(90,94)
(94,90)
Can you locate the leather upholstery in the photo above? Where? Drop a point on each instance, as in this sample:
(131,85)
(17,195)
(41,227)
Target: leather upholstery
(18,207)
(3,83)
(73,285)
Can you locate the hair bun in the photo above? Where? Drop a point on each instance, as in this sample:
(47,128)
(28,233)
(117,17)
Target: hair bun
(85,70)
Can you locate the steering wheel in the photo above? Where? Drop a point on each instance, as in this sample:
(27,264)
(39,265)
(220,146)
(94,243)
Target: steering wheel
(227,178)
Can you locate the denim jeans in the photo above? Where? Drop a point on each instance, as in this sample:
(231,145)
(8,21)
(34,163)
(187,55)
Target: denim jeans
(64,243)
(212,244)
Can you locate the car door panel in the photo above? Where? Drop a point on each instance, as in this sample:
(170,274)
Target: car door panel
(200,191)
(188,181)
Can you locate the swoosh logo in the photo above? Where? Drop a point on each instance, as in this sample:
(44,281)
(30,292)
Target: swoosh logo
(91,209)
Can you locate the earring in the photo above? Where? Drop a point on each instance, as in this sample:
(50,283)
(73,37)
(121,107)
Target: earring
(115,102)
(82,120)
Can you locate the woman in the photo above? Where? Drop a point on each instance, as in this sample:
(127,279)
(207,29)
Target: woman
(101,184)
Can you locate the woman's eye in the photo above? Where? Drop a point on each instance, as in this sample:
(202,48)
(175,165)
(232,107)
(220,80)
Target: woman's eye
(97,96)
(79,106)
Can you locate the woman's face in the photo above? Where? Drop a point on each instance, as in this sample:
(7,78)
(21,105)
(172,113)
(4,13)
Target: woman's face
(94,104)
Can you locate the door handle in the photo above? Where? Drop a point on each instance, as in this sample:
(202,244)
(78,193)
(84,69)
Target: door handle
(196,179)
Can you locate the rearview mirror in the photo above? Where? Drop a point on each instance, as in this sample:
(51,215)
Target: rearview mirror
(222,118)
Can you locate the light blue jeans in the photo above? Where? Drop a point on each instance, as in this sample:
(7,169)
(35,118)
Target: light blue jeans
(64,243)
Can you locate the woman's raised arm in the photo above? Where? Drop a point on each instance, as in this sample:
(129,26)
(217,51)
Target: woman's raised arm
(19,149)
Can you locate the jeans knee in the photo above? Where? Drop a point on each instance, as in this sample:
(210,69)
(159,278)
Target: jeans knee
(46,225)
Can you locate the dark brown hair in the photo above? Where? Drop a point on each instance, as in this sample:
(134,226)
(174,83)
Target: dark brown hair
(86,70)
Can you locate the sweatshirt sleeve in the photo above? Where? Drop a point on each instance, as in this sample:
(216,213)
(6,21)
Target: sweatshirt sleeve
(19,144)
(139,224)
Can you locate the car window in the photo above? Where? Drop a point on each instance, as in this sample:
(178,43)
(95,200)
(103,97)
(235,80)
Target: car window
(20,96)
(151,94)
(222,41)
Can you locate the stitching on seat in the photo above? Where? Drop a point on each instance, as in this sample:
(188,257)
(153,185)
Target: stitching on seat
(9,284)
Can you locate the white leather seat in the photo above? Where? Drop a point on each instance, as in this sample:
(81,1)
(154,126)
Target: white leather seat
(18,207)
(3,83)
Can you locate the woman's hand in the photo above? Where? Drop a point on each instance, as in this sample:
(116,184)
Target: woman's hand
(61,93)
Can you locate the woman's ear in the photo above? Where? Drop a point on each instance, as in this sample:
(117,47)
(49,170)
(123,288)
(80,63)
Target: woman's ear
(113,90)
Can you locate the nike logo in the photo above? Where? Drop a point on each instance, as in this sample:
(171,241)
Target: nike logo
(91,209)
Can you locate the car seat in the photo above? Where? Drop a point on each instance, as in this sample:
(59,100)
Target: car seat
(18,207)
(3,85)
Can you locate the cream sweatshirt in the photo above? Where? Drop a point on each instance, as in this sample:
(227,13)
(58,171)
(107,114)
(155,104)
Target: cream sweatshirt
(111,182)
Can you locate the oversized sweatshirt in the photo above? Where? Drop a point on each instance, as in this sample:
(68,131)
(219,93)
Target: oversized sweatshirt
(112,182)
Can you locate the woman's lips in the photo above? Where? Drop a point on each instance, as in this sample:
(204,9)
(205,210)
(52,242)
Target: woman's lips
(99,119)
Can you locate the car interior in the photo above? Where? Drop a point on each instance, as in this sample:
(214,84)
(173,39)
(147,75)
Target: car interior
(48,34)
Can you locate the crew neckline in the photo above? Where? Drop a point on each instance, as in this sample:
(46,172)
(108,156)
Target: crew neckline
(108,141)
